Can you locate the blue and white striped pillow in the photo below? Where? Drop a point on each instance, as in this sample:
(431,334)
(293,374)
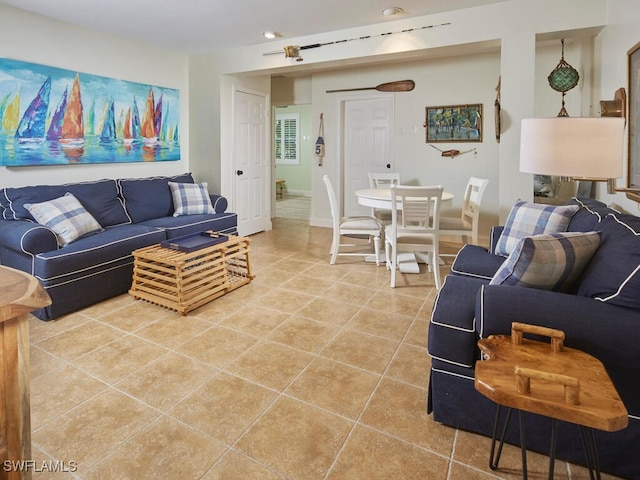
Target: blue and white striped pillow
(66,216)
(190,198)
(548,261)
(526,219)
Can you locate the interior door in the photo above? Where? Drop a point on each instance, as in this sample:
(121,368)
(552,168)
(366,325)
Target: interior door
(250,162)
(367,146)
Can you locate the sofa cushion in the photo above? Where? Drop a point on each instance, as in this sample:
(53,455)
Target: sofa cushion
(147,198)
(100,198)
(549,261)
(476,261)
(589,214)
(526,219)
(173,227)
(66,216)
(613,275)
(190,198)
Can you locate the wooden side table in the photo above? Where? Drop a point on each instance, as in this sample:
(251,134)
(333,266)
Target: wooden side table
(551,380)
(20,293)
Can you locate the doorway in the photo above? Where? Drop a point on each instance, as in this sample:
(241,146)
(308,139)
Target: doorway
(293,161)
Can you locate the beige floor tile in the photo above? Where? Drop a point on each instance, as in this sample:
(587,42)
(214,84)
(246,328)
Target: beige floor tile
(296,439)
(223,407)
(51,395)
(371,455)
(48,468)
(94,429)
(394,301)
(304,334)
(417,335)
(328,310)
(361,350)
(173,330)
(349,293)
(325,271)
(383,324)
(119,358)
(411,365)
(217,346)
(308,284)
(145,455)
(111,304)
(473,450)
(285,300)
(234,466)
(166,380)
(270,364)
(40,330)
(255,320)
(399,409)
(42,362)
(334,386)
(134,316)
(293,265)
(80,340)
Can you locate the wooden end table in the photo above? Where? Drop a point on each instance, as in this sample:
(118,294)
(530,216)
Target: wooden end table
(183,281)
(551,380)
(20,293)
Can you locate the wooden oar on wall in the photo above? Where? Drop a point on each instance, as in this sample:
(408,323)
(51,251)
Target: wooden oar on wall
(399,86)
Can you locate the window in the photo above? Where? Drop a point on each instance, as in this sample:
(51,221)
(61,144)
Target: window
(287,138)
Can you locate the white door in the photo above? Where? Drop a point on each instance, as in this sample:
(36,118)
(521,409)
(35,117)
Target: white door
(367,146)
(250,162)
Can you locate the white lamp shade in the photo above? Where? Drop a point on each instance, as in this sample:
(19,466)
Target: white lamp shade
(572,147)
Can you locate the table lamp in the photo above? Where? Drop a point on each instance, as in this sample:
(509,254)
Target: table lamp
(573,147)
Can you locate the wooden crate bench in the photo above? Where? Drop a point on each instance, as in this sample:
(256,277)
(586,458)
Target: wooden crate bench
(184,281)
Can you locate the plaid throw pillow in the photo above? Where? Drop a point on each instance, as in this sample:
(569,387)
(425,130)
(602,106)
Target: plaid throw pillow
(526,219)
(190,198)
(548,262)
(65,216)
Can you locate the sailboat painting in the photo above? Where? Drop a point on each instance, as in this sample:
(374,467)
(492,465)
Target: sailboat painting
(52,116)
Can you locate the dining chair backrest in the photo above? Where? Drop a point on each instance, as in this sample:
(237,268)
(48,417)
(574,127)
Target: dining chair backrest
(333,202)
(473,198)
(383,180)
(420,207)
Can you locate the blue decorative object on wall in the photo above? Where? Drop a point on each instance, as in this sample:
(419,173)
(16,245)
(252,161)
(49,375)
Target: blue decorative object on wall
(52,116)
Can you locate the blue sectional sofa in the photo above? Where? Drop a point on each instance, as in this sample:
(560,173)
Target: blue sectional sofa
(600,315)
(133,213)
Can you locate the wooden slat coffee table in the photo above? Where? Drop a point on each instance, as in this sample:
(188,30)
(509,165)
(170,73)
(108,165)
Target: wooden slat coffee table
(551,380)
(183,281)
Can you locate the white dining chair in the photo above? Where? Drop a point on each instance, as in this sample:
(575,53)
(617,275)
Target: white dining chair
(383,180)
(467,223)
(358,227)
(415,215)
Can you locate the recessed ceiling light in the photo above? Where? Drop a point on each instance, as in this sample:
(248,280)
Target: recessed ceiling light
(391,11)
(270,35)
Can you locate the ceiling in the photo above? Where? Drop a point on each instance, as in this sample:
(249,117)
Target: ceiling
(197,26)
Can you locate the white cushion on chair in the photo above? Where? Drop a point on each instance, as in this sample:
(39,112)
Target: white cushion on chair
(359,223)
(454,223)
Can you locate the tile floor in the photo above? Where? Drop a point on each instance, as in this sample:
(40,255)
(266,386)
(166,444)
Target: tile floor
(309,372)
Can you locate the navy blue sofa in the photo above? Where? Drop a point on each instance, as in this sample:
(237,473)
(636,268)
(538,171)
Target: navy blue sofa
(601,317)
(134,213)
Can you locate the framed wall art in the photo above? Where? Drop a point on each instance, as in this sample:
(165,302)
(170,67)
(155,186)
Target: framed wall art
(454,123)
(52,116)
(633,54)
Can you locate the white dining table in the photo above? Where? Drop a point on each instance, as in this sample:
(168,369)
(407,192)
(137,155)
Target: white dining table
(381,198)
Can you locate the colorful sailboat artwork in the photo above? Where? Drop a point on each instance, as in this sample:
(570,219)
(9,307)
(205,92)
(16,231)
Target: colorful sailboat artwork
(73,121)
(52,116)
(32,124)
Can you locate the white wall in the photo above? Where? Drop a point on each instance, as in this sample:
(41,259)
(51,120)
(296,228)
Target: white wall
(513,27)
(36,39)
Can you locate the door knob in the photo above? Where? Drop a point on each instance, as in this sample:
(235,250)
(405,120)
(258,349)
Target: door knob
(239,172)
(388,165)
